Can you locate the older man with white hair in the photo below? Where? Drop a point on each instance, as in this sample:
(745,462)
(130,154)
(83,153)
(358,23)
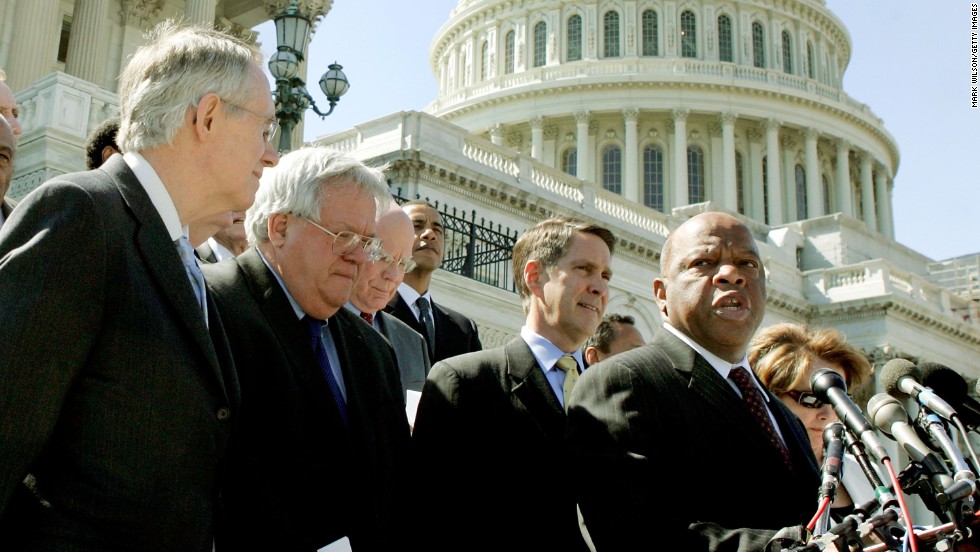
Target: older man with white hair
(322,451)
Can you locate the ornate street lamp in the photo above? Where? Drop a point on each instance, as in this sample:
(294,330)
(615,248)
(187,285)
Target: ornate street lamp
(292,99)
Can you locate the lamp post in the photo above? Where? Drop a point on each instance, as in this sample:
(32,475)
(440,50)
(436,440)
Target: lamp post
(292,99)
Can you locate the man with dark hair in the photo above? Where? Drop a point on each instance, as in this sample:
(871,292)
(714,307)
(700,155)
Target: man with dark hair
(677,445)
(615,334)
(447,332)
(118,392)
(101,143)
(495,420)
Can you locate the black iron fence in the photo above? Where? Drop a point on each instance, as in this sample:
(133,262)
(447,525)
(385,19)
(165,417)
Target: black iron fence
(475,249)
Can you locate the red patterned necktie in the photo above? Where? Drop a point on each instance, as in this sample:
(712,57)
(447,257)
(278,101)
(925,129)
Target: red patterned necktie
(757,406)
(368,317)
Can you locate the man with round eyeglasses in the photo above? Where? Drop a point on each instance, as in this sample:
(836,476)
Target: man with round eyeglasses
(322,449)
(378,283)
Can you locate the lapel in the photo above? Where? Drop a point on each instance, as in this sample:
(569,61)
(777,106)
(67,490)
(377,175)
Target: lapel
(398,308)
(162,259)
(716,392)
(531,392)
(286,328)
(352,350)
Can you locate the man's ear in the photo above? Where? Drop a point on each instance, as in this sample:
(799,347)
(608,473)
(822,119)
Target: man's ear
(204,115)
(660,294)
(534,276)
(278,225)
(591,355)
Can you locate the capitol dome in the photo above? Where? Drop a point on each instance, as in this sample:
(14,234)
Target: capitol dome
(674,103)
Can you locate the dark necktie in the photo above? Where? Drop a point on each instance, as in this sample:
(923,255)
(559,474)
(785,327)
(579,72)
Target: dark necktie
(314,327)
(425,317)
(757,406)
(368,317)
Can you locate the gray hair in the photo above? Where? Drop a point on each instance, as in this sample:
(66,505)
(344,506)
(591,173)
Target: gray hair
(171,73)
(302,181)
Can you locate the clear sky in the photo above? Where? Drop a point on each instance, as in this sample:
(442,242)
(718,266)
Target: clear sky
(910,62)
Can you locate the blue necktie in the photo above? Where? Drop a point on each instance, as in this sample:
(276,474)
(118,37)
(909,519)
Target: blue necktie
(194,273)
(314,327)
(425,317)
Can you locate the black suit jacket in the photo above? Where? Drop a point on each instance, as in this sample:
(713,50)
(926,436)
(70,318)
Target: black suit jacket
(113,392)
(298,480)
(7,206)
(455,333)
(490,435)
(670,457)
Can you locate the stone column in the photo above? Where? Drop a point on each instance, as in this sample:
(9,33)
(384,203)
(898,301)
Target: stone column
(730,199)
(845,201)
(773,179)
(631,179)
(884,202)
(868,193)
(200,12)
(814,187)
(583,169)
(757,208)
(35,54)
(497,135)
(87,48)
(681,195)
(537,137)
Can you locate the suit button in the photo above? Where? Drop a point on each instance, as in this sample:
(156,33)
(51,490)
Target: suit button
(223,414)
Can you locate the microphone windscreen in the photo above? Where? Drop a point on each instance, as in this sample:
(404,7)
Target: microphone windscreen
(894,370)
(944,381)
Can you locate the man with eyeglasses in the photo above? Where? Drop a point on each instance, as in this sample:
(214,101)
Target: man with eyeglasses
(678,446)
(8,150)
(378,283)
(322,450)
(118,392)
(8,105)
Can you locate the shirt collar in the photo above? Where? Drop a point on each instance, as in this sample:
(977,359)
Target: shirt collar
(409,294)
(292,302)
(545,352)
(159,196)
(221,253)
(722,366)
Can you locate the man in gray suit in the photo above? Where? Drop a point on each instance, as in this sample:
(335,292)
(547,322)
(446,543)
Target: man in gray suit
(117,387)
(378,283)
(8,150)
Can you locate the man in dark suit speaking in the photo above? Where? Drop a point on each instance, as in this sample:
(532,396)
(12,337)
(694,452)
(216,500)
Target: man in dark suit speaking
(669,452)
(491,424)
(322,450)
(447,332)
(117,389)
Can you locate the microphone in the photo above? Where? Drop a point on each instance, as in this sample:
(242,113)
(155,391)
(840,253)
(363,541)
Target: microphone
(833,458)
(953,388)
(829,387)
(900,379)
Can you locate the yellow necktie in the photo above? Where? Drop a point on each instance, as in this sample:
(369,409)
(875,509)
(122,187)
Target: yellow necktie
(568,365)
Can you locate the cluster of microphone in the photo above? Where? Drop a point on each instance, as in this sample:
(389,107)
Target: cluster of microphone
(937,471)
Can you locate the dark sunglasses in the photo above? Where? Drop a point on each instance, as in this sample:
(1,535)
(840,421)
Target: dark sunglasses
(805,399)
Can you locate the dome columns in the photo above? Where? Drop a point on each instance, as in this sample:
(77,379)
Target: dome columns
(631,180)
(867,193)
(845,201)
(681,196)
(773,178)
(729,182)
(584,153)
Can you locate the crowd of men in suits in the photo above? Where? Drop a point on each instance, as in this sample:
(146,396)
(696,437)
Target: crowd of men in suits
(253,398)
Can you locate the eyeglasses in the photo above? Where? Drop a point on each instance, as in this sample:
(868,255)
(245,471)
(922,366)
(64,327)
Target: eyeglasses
(404,266)
(13,110)
(273,123)
(806,399)
(346,243)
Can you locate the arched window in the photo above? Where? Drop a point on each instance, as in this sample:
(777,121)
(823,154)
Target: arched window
(509,53)
(612,169)
(765,188)
(689,35)
(826,194)
(695,175)
(485,61)
(810,70)
(574,52)
(569,161)
(540,43)
(653,177)
(758,45)
(725,51)
(800,193)
(610,27)
(650,33)
(739,184)
(787,53)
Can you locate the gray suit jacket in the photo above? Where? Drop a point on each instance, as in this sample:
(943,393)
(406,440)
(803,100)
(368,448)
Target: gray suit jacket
(410,351)
(114,393)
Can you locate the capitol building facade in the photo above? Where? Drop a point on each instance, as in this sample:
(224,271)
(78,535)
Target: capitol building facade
(634,113)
